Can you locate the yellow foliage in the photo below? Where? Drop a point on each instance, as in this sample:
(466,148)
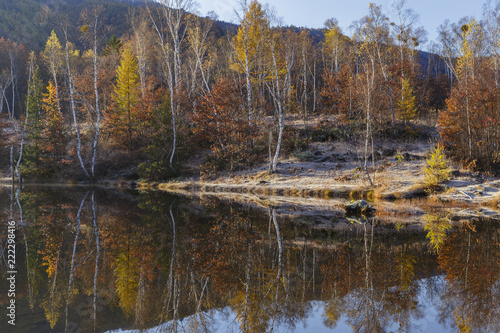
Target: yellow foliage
(53,52)
(127,273)
(407,105)
(436,228)
(437,170)
(249,40)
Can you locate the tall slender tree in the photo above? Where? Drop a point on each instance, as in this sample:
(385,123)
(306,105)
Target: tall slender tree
(53,56)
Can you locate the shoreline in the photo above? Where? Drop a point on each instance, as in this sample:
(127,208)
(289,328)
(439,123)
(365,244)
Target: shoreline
(456,199)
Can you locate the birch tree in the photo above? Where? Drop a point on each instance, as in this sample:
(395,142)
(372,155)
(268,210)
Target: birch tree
(197,36)
(491,24)
(31,72)
(281,63)
(142,41)
(93,30)
(169,25)
(375,30)
(368,52)
(72,97)
(248,44)
(334,43)
(12,51)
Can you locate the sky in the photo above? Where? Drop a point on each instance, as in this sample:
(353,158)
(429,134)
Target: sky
(313,13)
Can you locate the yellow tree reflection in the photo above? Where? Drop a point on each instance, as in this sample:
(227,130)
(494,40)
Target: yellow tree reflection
(436,227)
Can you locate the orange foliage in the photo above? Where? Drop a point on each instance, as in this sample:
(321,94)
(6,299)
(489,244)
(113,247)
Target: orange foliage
(483,100)
(221,122)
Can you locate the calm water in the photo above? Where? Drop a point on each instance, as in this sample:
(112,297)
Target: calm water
(110,261)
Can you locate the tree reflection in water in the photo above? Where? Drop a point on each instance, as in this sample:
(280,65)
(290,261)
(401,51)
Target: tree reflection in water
(155,260)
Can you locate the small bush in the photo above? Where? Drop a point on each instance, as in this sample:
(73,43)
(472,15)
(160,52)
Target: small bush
(305,155)
(437,170)
(294,140)
(325,132)
(157,170)
(233,157)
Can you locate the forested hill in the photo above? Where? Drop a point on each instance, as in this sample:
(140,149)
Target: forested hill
(21,21)
(29,22)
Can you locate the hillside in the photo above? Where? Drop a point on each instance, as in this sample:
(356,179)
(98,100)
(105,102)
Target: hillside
(30,22)
(18,23)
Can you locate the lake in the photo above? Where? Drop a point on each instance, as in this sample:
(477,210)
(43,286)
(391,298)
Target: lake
(98,260)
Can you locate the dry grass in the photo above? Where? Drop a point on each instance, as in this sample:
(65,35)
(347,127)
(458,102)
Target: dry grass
(493,203)
(435,203)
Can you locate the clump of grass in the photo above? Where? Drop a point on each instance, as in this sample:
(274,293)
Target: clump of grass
(434,203)
(493,203)
(354,195)
(305,155)
(378,192)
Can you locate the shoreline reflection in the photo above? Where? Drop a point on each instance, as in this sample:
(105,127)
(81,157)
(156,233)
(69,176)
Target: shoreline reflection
(125,261)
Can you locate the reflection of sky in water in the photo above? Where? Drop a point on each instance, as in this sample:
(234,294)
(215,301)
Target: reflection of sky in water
(224,321)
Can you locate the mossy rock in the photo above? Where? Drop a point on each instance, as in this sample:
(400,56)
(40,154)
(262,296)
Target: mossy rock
(359,207)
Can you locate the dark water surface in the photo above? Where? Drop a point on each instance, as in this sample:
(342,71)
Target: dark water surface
(102,260)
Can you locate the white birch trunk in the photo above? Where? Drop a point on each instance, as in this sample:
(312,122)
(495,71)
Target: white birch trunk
(97,108)
(30,78)
(72,268)
(72,102)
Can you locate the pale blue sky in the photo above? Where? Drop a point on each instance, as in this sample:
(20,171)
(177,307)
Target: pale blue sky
(313,13)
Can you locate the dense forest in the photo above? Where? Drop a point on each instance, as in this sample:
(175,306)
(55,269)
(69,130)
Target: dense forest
(91,89)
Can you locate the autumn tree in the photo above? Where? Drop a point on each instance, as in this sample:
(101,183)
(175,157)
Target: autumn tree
(373,31)
(471,121)
(32,158)
(339,94)
(170,27)
(407,36)
(407,104)
(281,49)
(91,32)
(335,44)
(121,117)
(249,47)
(54,137)
(222,125)
(158,146)
(53,58)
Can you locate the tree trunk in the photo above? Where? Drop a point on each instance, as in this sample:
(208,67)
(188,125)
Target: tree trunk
(30,78)
(369,85)
(73,108)
(96,269)
(97,109)
(13,81)
(72,268)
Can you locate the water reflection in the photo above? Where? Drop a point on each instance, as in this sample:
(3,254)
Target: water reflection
(94,261)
